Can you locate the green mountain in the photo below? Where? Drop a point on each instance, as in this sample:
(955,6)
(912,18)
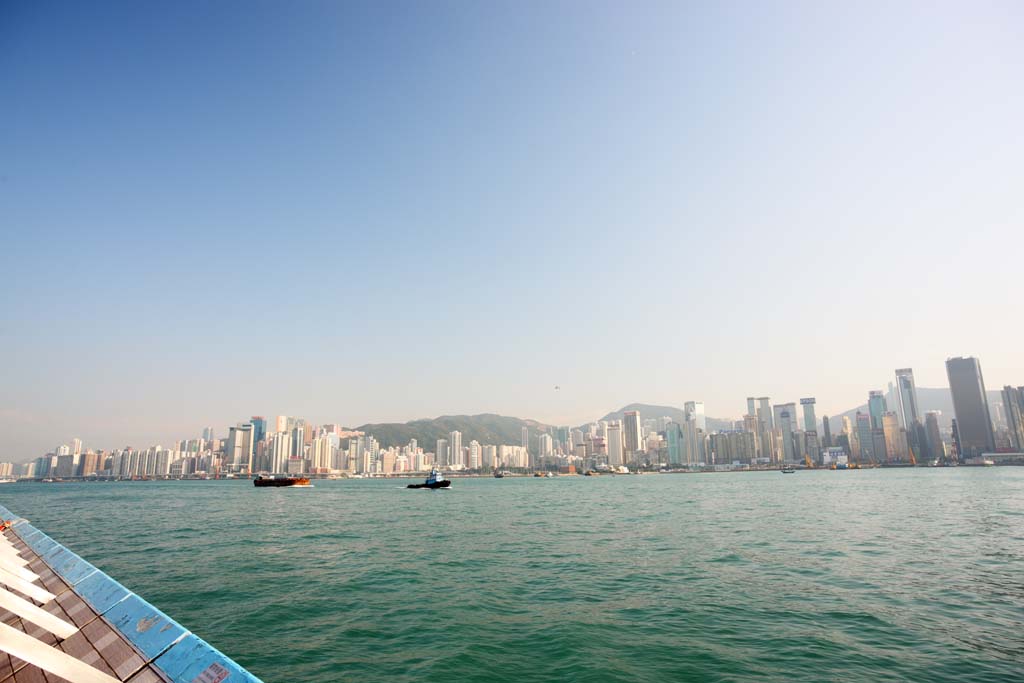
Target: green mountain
(486,428)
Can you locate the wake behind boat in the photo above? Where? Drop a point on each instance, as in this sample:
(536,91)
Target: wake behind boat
(434,481)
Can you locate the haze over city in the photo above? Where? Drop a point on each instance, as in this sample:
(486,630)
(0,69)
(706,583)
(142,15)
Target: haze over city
(359,214)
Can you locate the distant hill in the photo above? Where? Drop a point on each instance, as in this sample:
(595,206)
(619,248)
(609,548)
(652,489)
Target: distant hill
(928,398)
(651,412)
(486,428)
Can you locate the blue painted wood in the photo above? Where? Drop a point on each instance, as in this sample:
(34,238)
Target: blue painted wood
(149,630)
(101,591)
(68,565)
(193,659)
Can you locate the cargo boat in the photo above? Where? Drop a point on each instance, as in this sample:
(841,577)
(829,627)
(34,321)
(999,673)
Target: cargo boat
(280,481)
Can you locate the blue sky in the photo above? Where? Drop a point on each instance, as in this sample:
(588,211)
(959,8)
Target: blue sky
(386,211)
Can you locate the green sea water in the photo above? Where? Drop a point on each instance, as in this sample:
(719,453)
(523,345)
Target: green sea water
(884,575)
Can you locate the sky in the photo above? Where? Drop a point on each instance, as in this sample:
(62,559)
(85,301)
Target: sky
(388,211)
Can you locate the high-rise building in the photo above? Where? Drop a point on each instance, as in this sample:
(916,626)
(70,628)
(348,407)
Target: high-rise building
(259,428)
(1013,406)
(810,419)
(751,405)
(895,437)
(694,410)
(613,436)
(545,445)
(785,422)
(764,412)
(76,447)
(455,456)
(826,433)
(906,392)
(475,455)
(867,451)
(441,453)
(239,450)
(931,426)
(631,431)
(280,451)
(876,406)
(974,422)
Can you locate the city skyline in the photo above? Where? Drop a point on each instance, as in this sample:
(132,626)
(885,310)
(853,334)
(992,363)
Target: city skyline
(345,210)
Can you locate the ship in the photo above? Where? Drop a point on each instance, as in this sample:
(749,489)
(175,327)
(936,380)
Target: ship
(280,481)
(434,481)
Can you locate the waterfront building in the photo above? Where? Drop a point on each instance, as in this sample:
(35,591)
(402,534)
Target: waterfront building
(1013,406)
(441,453)
(475,459)
(545,446)
(694,410)
(751,407)
(280,451)
(906,393)
(810,420)
(632,433)
(489,457)
(614,443)
(936,447)
(764,412)
(239,448)
(895,437)
(878,447)
(456,458)
(970,405)
(826,433)
(259,428)
(785,424)
(866,452)
(876,406)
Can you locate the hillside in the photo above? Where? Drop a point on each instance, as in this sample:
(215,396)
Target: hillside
(485,428)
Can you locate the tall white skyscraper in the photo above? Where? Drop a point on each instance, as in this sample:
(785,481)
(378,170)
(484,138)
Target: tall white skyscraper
(441,453)
(694,410)
(280,451)
(455,458)
(475,455)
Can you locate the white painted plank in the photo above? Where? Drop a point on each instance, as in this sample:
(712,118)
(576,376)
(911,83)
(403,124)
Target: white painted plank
(17,570)
(49,659)
(37,615)
(31,590)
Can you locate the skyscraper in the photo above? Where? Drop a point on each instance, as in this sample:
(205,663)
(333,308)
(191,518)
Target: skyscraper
(876,406)
(631,431)
(259,428)
(810,419)
(764,412)
(867,451)
(1013,406)
(441,453)
(974,422)
(931,425)
(239,448)
(895,437)
(613,435)
(456,457)
(785,423)
(694,410)
(751,408)
(906,392)
(826,433)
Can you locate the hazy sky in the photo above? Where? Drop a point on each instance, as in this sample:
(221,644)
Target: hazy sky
(390,211)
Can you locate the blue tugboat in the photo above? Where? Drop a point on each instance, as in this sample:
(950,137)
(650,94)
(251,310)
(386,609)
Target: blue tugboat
(434,481)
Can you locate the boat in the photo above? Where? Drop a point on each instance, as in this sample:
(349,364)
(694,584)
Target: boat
(7,481)
(788,470)
(499,475)
(434,481)
(271,480)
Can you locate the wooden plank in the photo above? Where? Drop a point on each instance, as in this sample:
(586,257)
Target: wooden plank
(49,659)
(37,615)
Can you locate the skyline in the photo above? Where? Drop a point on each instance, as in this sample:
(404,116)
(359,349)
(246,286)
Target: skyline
(378,215)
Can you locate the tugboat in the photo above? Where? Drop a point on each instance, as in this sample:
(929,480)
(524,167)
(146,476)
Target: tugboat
(434,481)
(280,481)
(788,470)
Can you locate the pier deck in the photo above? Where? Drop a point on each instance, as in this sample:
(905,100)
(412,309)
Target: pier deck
(62,619)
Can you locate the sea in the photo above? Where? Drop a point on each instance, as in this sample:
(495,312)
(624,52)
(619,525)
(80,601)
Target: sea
(869,575)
